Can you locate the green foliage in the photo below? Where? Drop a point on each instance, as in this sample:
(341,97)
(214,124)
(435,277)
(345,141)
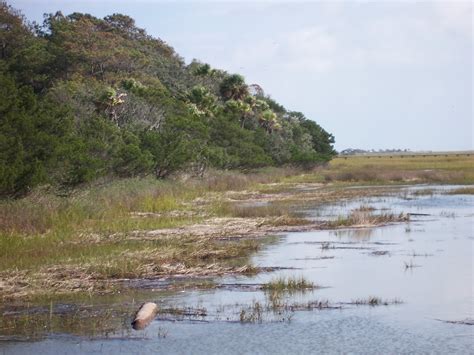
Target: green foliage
(202,102)
(181,140)
(31,133)
(83,98)
(234,87)
(234,146)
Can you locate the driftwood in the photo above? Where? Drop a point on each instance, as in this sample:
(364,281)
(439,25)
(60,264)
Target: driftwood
(145,315)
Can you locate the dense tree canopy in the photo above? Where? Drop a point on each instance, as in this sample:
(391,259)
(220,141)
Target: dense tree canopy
(83,97)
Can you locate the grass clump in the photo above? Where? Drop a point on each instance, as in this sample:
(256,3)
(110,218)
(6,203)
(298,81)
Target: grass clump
(252,314)
(374,301)
(359,217)
(290,283)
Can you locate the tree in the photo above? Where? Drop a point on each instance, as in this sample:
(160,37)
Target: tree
(179,142)
(202,102)
(31,133)
(233,87)
(83,97)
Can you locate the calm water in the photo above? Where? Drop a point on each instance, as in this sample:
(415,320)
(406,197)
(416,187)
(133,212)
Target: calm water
(438,287)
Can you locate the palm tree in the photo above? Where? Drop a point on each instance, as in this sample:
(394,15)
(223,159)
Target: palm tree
(268,121)
(234,87)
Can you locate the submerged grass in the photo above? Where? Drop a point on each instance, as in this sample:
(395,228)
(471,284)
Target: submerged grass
(374,301)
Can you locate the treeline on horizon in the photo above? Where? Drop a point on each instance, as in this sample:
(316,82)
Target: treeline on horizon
(83,98)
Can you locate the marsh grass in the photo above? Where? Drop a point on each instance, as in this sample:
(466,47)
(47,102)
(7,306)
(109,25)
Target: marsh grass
(258,312)
(450,169)
(462,191)
(447,214)
(424,192)
(280,310)
(43,211)
(364,217)
(81,322)
(68,244)
(57,243)
(364,208)
(286,220)
(252,314)
(191,312)
(374,301)
(242,211)
(45,229)
(290,283)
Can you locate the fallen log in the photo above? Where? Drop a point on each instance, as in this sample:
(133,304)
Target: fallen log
(145,315)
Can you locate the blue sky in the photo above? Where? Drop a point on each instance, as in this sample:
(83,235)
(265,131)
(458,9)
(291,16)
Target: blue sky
(376,74)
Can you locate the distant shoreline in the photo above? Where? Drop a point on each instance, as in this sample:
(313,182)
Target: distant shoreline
(410,153)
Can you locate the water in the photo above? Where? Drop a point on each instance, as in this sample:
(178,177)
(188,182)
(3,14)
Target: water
(438,286)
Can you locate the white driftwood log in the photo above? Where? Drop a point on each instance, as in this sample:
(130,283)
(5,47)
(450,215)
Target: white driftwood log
(145,315)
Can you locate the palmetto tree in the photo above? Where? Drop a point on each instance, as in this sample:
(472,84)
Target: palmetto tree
(268,121)
(234,87)
(202,102)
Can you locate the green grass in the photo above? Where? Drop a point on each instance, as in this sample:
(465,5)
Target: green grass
(90,233)
(290,283)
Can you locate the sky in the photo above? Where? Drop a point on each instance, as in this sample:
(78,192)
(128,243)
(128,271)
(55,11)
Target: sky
(376,74)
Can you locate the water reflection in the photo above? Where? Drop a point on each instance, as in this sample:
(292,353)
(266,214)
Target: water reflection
(361,234)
